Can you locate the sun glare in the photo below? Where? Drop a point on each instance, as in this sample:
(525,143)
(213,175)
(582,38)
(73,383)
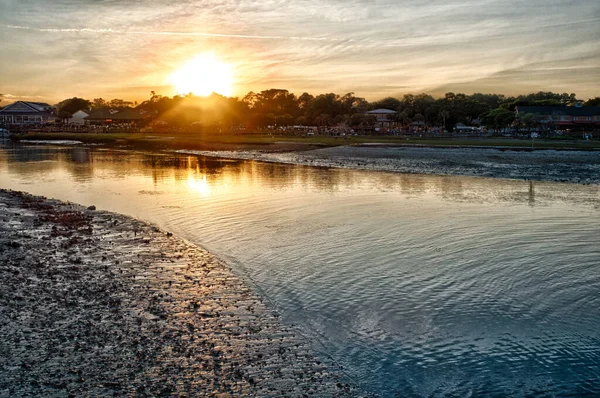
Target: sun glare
(202,76)
(199,185)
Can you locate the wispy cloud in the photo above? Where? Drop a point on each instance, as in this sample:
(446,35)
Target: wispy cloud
(13,97)
(386,47)
(167,33)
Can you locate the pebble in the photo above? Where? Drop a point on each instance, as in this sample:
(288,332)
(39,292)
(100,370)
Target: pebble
(76,321)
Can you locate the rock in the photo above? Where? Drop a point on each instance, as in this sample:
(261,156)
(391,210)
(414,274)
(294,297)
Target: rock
(92,207)
(121,322)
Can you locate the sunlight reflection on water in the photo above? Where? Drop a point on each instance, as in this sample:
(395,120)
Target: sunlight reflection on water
(416,285)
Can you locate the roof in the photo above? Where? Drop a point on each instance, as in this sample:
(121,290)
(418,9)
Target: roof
(82,111)
(25,107)
(118,114)
(561,110)
(378,111)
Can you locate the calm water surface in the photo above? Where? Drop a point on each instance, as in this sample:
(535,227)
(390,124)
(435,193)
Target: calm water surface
(416,285)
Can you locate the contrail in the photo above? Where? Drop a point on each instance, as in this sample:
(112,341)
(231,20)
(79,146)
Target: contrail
(196,34)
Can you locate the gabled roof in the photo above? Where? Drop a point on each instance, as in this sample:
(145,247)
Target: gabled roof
(118,114)
(379,111)
(87,112)
(27,107)
(561,110)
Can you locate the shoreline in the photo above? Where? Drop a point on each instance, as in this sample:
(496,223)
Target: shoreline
(97,303)
(268,142)
(563,165)
(581,167)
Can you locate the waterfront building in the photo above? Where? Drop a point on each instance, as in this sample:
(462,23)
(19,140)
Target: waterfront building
(383,115)
(27,113)
(107,116)
(565,116)
(78,118)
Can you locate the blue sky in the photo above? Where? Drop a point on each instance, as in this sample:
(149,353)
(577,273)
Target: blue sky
(51,50)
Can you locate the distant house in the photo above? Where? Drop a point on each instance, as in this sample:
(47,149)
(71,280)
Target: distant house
(118,116)
(463,129)
(27,113)
(565,116)
(78,118)
(382,115)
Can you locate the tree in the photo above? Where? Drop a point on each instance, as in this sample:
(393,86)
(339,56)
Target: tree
(284,120)
(119,103)
(499,118)
(387,103)
(276,101)
(324,119)
(444,114)
(98,103)
(324,104)
(68,107)
(352,104)
(357,119)
(528,120)
(592,102)
(304,100)
(543,98)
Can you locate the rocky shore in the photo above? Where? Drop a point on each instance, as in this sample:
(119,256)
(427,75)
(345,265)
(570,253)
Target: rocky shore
(98,304)
(540,165)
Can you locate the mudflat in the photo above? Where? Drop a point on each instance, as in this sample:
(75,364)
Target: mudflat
(98,304)
(539,164)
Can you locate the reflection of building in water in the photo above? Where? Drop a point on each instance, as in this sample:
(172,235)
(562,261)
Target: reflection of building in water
(216,176)
(34,154)
(531,197)
(80,164)
(80,155)
(451,187)
(413,184)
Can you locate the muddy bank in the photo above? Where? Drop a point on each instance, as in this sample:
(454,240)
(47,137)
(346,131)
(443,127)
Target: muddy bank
(541,165)
(97,304)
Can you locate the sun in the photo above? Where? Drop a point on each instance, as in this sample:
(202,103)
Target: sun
(203,75)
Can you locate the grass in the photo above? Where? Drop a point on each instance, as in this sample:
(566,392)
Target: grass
(208,141)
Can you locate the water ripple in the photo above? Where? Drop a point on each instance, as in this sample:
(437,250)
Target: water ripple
(416,285)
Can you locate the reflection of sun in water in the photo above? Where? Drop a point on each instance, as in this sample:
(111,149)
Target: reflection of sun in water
(203,75)
(199,185)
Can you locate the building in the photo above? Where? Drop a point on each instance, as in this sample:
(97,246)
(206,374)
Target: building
(106,116)
(383,115)
(78,118)
(565,116)
(27,113)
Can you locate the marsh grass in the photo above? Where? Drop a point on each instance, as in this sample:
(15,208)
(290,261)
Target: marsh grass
(265,141)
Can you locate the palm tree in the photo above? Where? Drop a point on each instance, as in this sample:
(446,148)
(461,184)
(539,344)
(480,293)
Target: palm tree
(444,114)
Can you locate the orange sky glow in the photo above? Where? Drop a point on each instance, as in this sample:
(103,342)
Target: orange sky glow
(125,49)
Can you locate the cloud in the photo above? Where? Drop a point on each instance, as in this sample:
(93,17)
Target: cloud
(373,48)
(167,33)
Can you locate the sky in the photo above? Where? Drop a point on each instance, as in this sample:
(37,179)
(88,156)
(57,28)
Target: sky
(52,50)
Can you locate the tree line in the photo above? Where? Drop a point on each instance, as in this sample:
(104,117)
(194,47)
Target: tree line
(279,107)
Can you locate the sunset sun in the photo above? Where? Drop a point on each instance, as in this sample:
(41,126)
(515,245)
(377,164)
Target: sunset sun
(202,76)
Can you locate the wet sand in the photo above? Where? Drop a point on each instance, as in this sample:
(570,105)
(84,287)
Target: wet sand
(540,165)
(98,304)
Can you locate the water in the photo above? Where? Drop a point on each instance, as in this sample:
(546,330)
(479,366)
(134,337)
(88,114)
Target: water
(416,285)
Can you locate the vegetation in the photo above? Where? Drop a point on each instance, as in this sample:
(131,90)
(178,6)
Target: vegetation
(69,106)
(258,118)
(261,140)
(277,107)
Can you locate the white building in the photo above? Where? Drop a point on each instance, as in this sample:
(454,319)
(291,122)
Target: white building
(382,115)
(78,118)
